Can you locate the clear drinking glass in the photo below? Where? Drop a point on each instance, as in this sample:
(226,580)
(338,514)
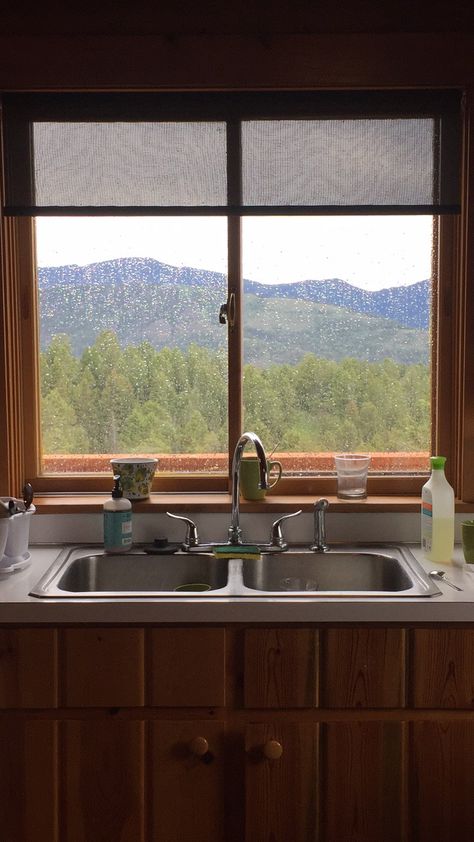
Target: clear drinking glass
(351,470)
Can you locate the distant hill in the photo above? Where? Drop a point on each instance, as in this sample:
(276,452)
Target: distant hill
(144,299)
(407,305)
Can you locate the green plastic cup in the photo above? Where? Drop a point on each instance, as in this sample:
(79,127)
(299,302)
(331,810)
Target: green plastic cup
(467,533)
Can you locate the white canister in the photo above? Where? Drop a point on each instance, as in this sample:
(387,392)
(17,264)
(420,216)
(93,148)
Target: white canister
(16,547)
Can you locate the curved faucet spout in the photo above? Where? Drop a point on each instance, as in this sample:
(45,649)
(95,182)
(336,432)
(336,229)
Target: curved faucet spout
(235,532)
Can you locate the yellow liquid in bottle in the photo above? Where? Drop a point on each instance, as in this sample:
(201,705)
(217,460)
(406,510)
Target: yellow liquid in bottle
(442,544)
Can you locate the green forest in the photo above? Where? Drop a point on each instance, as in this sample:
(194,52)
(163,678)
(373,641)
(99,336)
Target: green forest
(139,399)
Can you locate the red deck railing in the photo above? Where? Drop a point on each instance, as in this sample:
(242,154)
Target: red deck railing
(201,463)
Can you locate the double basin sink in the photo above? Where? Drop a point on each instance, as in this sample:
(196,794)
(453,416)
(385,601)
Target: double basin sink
(344,571)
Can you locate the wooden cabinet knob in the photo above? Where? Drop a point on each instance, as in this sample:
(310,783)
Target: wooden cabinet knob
(272,750)
(199,746)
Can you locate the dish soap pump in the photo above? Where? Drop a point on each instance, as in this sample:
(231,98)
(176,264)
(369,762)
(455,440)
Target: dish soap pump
(437,514)
(117,521)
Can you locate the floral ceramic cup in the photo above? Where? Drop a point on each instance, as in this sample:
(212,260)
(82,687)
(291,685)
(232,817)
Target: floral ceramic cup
(136,475)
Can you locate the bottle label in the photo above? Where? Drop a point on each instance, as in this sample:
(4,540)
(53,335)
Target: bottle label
(118,529)
(427,521)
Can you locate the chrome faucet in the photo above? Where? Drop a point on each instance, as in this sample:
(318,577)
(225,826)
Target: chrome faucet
(276,543)
(235,532)
(319,545)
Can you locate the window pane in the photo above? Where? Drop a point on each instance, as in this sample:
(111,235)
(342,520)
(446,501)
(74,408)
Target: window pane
(337,339)
(133,359)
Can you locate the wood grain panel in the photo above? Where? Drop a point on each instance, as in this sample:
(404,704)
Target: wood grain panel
(28,781)
(188,792)
(282,794)
(442,806)
(28,668)
(281,668)
(102,780)
(362,780)
(187,667)
(363,668)
(443,668)
(103,667)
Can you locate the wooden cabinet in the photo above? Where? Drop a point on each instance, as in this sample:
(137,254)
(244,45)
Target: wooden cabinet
(236,734)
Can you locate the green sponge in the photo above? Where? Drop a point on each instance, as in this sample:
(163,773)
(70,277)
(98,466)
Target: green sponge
(237,551)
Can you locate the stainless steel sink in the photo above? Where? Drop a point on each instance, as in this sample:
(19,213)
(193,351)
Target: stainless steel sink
(342,572)
(131,574)
(346,571)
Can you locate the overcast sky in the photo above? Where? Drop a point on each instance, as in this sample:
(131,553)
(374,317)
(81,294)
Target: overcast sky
(369,252)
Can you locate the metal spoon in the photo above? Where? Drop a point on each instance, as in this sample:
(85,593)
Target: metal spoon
(440,574)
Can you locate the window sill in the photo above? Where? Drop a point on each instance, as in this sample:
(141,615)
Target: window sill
(221,502)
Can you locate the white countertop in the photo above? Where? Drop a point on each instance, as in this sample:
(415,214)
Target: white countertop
(450,606)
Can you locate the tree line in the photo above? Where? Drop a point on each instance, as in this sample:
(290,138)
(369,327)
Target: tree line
(138,399)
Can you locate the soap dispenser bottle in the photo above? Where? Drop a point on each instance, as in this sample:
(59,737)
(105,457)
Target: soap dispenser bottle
(117,521)
(437,515)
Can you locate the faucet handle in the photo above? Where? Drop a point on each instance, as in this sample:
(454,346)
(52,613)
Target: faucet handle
(276,535)
(191,538)
(320,507)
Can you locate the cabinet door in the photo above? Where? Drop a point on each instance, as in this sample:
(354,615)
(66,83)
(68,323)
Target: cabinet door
(102,780)
(362,776)
(282,782)
(187,787)
(281,668)
(28,781)
(441,774)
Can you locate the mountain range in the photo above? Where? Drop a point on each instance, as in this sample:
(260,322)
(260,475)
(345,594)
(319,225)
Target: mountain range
(144,299)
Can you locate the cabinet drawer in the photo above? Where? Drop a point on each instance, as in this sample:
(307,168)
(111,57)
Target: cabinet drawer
(187,667)
(28,668)
(363,668)
(103,667)
(443,668)
(281,668)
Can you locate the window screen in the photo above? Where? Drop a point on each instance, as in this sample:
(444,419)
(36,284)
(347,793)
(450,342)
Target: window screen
(339,162)
(129,164)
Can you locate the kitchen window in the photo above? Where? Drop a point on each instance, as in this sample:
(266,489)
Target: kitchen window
(231,172)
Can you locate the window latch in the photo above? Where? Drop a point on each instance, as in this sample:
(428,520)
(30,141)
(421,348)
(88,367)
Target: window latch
(227,311)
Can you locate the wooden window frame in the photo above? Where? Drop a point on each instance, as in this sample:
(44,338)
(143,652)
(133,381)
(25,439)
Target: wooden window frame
(453,366)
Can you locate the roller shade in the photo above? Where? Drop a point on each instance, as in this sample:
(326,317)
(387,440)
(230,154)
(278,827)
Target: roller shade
(275,153)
